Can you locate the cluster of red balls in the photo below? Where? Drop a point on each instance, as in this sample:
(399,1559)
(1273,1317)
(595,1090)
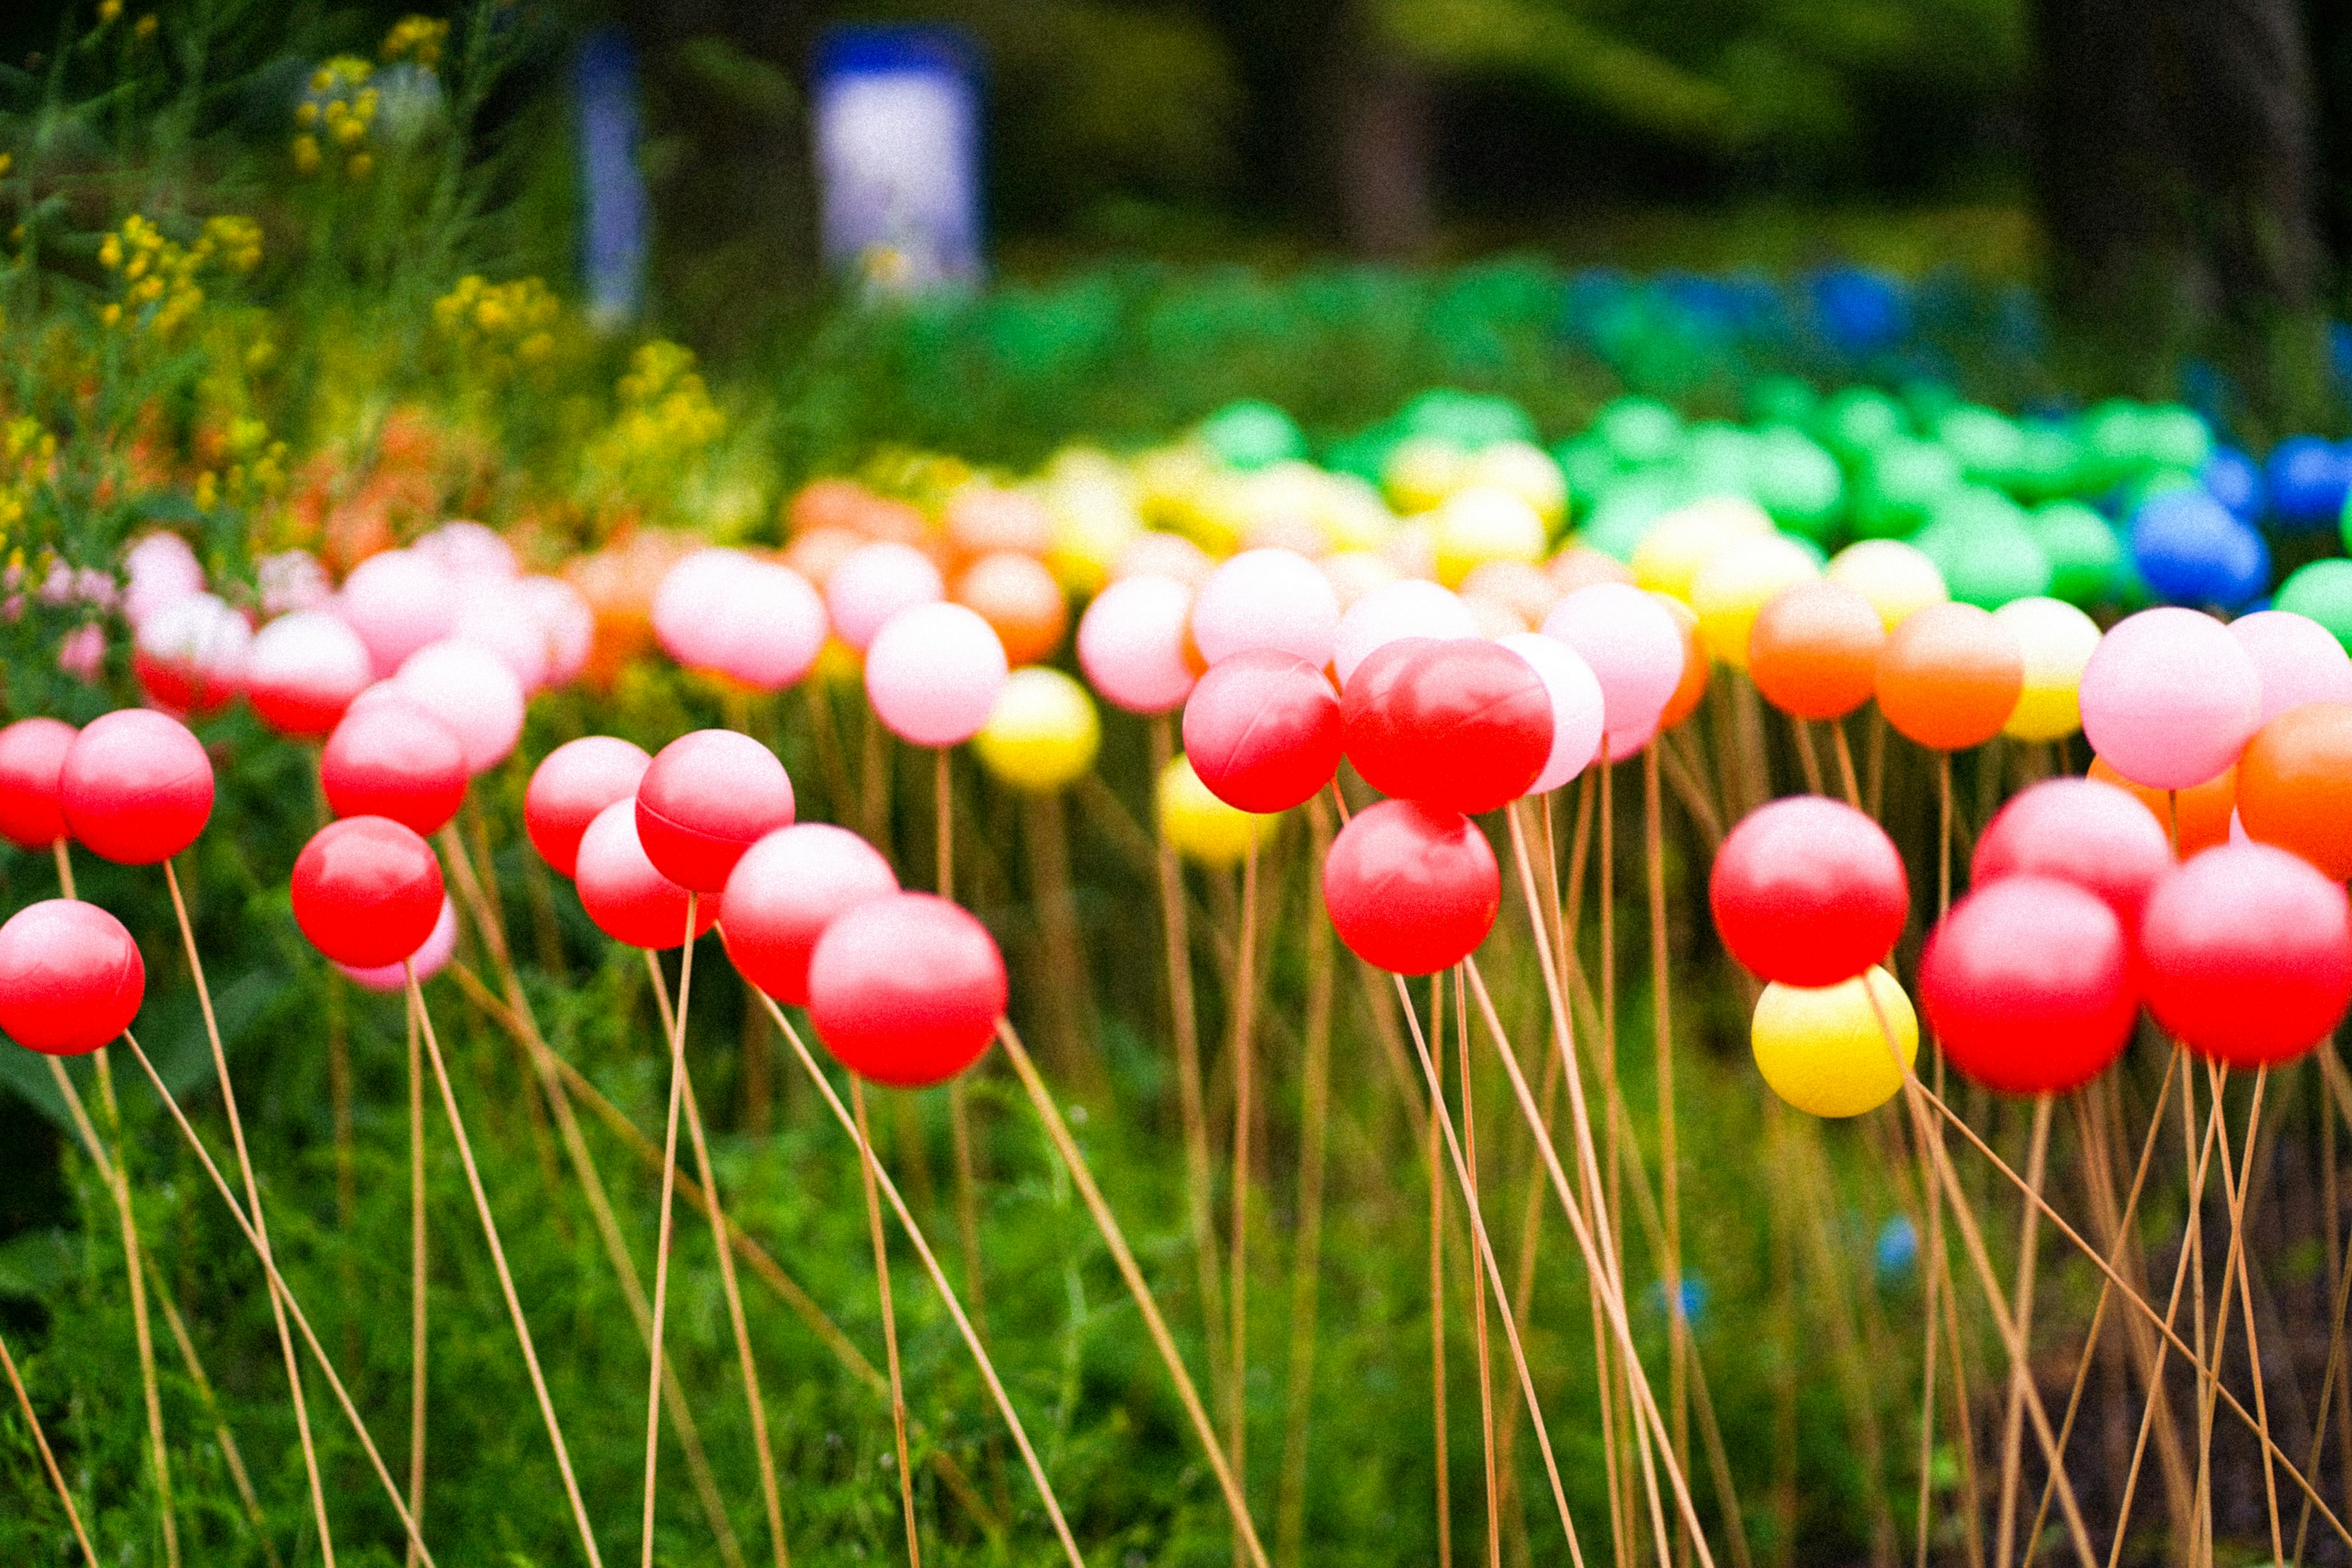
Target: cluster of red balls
(2080,916)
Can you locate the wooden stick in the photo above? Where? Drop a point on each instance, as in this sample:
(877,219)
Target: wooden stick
(506,1279)
(867,1168)
(2233,1192)
(668,1191)
(1115,1240)
(2013,1432)
(277,1283)
(939,1279)
(48,1459)
(1440,1423)
(1306,1258)
(1237,1303)
(1678,1345)
(960,1136)
(1845,763)
(260,1223)
(418,1264)
(1478,1297)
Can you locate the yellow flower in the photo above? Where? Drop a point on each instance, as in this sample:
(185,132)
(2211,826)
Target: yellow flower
(349,130)
(418,39)
(108,11)
(361,166)
(8,161)
(306,115)
(306,155)
(145,26)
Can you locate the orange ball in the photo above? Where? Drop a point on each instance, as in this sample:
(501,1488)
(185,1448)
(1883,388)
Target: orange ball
(815,554)
(826,503)
(1527,589)
(1692,687)
(895,522)
(2294,785)
(1581,565)
(2204,810)
(1016,595)
(1951,675)
(982,518)
(1814,649)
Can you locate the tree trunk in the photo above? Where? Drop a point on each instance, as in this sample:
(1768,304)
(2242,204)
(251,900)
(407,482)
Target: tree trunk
(1373,114)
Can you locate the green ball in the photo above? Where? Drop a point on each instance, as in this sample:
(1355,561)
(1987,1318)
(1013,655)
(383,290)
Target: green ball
(1929,400)
(2088,562)
(2343,527)
(1623,517)
(1719,459)
(1252,434)
(1973,508)
(1797,481)
(1469,419)
(1782,400)
(1639,431)
(2114,447)
(1591,469)
(1901,481)
(1857,419)
(2049,463)
(2155,482)
(1986,564)
(1364,455)
(2173,436)
(1989,447)
(2323,591)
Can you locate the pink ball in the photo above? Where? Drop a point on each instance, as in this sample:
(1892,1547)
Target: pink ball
(686,606)
(1408,607)
(768,627)
(785,891)
(398,601)
(468,689)
(1631,644)
(1131,644)
(493,615)
(709,797)
(873,583)
(1157,554)
(933,674)
(1630,744)
(304,670)
(1575,707)
(465,549)
(190,655)
(2297,659)
(1266,599)
(567,622)
(2169,698)
(162,568)
(570,785)
(429,959)
(629,900)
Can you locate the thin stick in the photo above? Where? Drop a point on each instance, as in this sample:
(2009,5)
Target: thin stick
(866,1167)
(1809,758)
(418,1264)
(1440,1423)
(2235,1193)
(48,1459)
(1237,1303)
(277,1283)
(1845,763)
(668,1191)
(1678,1347)
(1115,1240)
(2013,1432)
(1187,1030)
(939,1280)
(1478,1297)
(967,1168)
(260,1223)
(2330,1387)
(1306,1259)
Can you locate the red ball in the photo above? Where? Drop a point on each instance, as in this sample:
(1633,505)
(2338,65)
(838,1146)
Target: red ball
(1262,730)
(1412,888)
(905,990)
(1461,723)
(367,891)
(32,759)
(2028,984)
(136,787)
(570,785)
(391,758)
(709,798)
(70,977)
(2246,954)
(628,900)
(782,894)
(1808,891)
(2080,831)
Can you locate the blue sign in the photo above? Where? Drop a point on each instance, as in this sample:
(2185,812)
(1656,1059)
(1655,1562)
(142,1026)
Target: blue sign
(897,115)
(613,227)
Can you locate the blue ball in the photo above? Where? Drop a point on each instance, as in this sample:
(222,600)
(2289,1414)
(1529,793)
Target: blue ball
(2235,482)
(2191,551)
(2308,478)
(1693,1294)
(1861,311)
(1897,1252)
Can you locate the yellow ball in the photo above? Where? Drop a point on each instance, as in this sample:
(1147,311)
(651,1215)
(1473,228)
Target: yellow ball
(1043,735)
(1481,523)
(1824,1051)
(2059,640)
(1736,582)
(1423,471)
(1896,578)
(1203,829)
(1526,471)
(1685,539)
(1353,514)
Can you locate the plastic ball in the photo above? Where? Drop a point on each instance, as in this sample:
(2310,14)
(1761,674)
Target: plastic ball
(981,517)
(2296,658)
(1575,707)
(71,979)
(2084,831)
(397,602)
(1950,676)
(2088,563)
(2057,640)
(1668,559)
(1736,584)
(391,758)
(2190,549)
(367,891)
(1016,596)
(1412,888)
(1808,891)
(1265,599)
(1132,642)
(1634,646)
(2028,985)
(1898,579)
(190,656)
(2204,814)
(1813,649)
(686,605)
(136,787)
(2246,954)
(32,766)
(1482,523)
(494,615)
(304,670)
(1201,827)
(1690,686)
(906,989)
(628,900)
(1581,566)
(2294,785)
(782,894)
(767,627)
(1463,724)
(427,960)
(1408,607)
(566,622)
(467,549)
(1043,734)
(2170,698)
(1830,1050)
(2323,591)
(1262,730)
(2307,478)
(570,785)
(873,583)
(473,692)
(933,674)
(706,798)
